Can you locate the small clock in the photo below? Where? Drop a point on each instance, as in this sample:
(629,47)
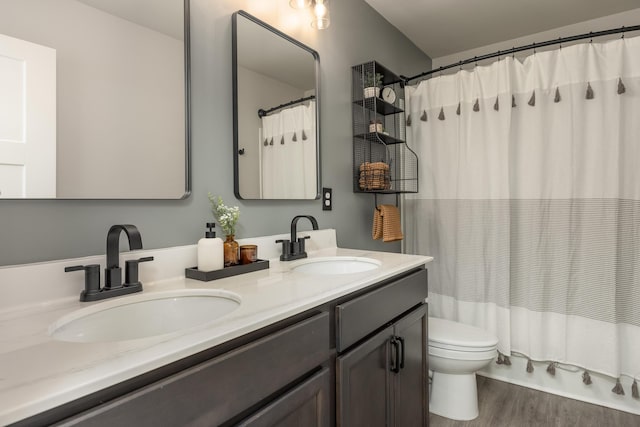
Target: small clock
(389,95)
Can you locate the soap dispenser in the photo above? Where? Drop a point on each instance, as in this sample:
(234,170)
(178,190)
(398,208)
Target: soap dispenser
(210,251)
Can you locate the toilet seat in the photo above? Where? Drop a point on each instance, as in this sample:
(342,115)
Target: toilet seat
(453,336)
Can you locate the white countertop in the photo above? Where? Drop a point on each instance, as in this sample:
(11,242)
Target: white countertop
(38,373)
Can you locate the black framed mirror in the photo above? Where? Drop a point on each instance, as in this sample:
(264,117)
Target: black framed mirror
(106,116)
(276,138)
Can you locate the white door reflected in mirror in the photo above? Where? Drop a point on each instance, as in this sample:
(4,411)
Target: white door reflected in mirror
(27,119)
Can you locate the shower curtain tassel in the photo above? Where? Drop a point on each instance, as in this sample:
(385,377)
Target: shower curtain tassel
(552,368)
(294,138)
(304,135)
(424,116)
(409,120)
(586,378)
(500,361)
(557,97)
(266,142)
(271,142)
(507,361)
(532,100)
(476,106)
(529,366)
(621,88)
(513,101)
(496,106)
(634,390)
(458,109)
(441,115)
(282,141)
(589,91)
(618,388)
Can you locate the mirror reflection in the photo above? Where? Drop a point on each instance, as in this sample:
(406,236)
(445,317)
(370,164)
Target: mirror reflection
(276,113)
(93,100)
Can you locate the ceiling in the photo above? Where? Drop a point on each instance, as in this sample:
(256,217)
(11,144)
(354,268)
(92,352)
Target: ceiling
(443,27)
(157,15)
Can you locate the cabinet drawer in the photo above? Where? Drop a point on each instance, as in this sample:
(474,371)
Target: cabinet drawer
(306,405)
(223,387)
(359,317)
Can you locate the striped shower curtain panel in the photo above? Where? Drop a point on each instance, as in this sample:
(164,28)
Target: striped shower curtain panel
(530,202)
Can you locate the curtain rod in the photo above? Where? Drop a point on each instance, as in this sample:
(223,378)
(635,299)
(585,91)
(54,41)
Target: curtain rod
(525,47)
(262,113)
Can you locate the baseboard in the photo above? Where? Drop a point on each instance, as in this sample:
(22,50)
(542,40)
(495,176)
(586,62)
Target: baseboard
(566,383)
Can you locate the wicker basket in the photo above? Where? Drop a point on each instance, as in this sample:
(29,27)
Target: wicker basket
(374,176)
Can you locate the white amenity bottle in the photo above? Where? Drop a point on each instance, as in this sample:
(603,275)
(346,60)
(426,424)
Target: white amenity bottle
(210,251)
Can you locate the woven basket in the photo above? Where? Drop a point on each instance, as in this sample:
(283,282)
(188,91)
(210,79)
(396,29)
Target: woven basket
(374,176)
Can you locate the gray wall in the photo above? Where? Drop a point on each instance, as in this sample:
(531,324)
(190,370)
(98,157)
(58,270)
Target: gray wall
(38,230)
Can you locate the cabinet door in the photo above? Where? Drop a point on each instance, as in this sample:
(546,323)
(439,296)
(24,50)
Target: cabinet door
(362,383)
(411,399)
(305,405)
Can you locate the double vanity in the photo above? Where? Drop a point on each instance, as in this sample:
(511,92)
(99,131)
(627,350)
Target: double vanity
(336,338)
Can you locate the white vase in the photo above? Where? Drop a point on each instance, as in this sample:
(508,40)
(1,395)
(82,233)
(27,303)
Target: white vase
(371,92)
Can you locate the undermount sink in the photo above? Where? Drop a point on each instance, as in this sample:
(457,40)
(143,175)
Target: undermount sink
(144,315)
(336,265)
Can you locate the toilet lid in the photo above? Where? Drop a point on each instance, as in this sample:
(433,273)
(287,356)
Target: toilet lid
(448,334)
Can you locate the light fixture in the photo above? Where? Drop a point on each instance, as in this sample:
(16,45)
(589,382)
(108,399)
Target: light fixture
(320,11)
(299,4)
(321,15)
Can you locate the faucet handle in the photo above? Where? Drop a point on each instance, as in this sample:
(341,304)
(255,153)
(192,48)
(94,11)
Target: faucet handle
(286,248)
(131,270)
(301,241)
(91,278)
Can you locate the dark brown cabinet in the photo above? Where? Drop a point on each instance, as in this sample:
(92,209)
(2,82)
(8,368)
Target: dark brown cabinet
(356,361)
(381,380)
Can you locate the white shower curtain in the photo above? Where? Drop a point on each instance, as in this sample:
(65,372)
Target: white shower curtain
(530,202)
(288,158)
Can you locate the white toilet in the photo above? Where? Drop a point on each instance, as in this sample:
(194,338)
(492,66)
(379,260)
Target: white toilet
(456,352)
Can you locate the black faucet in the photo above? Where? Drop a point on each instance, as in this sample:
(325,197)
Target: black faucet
(294,249)
(113,273)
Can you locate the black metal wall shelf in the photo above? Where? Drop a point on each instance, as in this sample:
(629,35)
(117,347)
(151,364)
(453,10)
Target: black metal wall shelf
(382,161)
(383,138)
(378,105)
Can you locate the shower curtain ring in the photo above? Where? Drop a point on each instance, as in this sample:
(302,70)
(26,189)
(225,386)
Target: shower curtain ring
(622,37)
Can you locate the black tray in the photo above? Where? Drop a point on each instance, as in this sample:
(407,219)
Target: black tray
(234,270)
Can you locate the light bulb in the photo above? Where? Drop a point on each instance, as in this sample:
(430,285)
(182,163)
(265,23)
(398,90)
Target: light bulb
(299,4)
(320,23)
(320,9)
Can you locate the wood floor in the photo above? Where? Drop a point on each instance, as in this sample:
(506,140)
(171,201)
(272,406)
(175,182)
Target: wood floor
(504,404)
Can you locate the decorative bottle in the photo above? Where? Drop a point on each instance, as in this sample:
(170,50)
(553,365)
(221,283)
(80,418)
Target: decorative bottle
(231,251)
(210,251)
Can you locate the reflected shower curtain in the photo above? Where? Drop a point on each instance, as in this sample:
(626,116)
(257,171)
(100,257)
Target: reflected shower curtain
(288,153)
(530,202)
